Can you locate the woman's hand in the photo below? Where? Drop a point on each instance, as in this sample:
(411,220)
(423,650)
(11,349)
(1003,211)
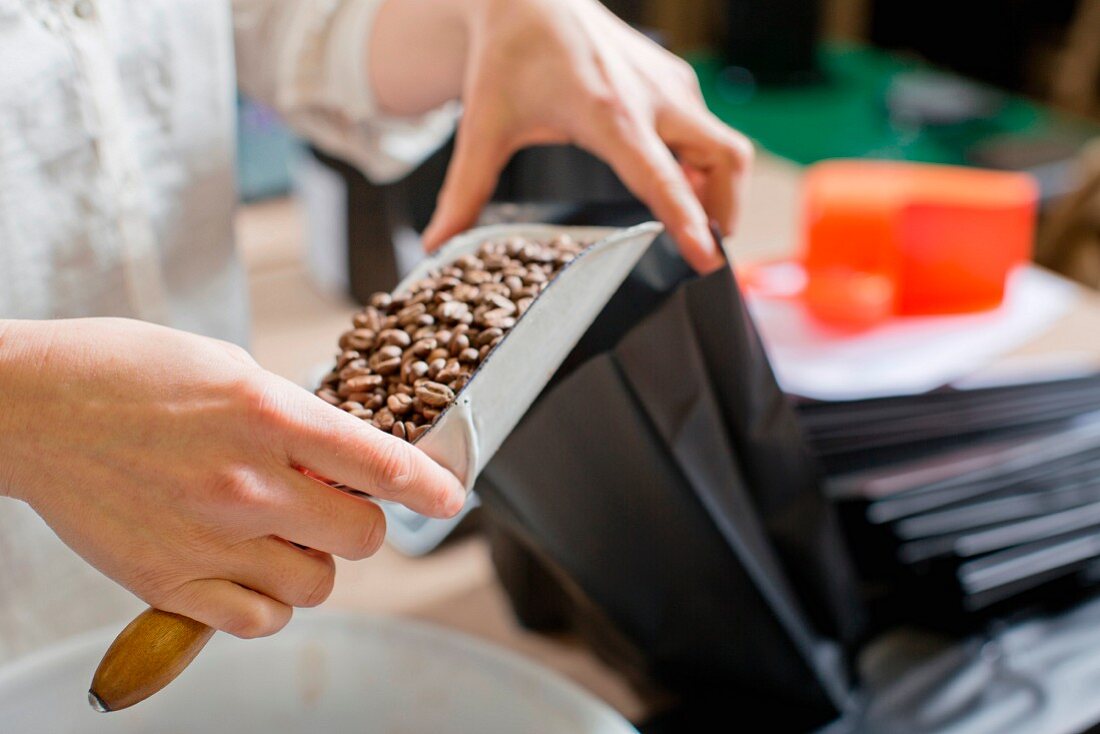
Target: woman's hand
(171,463)
(561,71)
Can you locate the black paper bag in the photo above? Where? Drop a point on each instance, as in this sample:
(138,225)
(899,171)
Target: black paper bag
(659,498)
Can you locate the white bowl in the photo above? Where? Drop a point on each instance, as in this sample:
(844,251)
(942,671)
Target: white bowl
(326,672)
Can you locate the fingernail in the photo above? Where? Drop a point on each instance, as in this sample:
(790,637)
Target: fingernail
(707,246)
(428,237)
(456,500)
(433,236)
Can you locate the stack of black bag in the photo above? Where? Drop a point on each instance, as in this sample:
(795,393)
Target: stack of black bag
(967,504)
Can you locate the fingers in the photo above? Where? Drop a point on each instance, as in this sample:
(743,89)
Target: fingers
(275,568)
(307,512)
(343,448)
(647,167)
(480,155)
(228,607)
(718,156)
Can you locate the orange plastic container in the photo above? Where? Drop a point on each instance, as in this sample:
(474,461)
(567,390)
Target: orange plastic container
(884,238)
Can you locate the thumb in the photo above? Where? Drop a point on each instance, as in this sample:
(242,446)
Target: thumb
(480,155)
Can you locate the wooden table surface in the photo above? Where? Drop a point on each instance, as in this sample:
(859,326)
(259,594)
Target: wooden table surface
(295,330)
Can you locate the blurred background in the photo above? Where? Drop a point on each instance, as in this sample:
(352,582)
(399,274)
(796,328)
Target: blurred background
(1003,84)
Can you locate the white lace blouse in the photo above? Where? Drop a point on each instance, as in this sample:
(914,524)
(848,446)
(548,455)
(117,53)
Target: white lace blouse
(117,192)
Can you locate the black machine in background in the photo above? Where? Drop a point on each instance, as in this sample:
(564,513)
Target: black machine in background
(995,41)
(548,178)
(773,41)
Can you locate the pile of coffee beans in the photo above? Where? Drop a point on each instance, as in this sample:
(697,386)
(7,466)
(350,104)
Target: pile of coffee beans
(412,352)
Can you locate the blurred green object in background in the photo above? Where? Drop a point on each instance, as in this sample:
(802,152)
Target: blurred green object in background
(874,104)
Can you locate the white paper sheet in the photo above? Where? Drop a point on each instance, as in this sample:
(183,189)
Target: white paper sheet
(904,356)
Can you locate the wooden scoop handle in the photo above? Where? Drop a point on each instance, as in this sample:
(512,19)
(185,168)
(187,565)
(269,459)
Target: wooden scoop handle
(145,657)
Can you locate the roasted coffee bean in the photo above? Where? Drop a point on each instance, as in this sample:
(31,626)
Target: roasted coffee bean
(363,414)
(500,303)
(353,369)
(453,310)
(399,429)
(465,292)
(458,343)
(468,355)
(409,314)
(446,282)
(381,301)
(534,276)
(488,335)
(347,356)
(422,347)
(386,360)
(435,395)
(357,339)
(498,319)
(384,419)
(368,318)
(496,288)
(363,383)
(329,396)
(350,405)
(513,283)
(424,296)
(399,404)
(394,337)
